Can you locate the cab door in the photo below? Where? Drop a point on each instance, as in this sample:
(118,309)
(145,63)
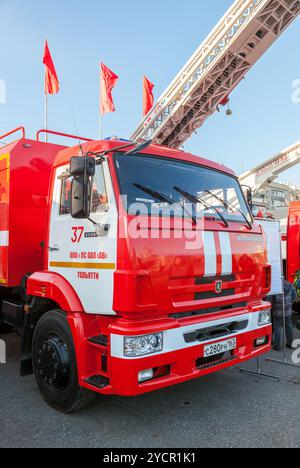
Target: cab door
(83,253)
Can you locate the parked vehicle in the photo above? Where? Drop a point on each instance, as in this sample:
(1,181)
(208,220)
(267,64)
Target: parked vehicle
(124,268)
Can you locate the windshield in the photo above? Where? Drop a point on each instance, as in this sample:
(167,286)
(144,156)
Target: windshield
(159,183)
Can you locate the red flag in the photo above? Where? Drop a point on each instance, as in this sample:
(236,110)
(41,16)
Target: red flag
(51,79)
(108,82)
(148,98)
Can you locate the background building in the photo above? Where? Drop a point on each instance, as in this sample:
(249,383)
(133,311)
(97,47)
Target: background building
(276,196)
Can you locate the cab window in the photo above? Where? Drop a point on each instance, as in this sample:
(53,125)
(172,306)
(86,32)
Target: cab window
(99,198)
(65,202)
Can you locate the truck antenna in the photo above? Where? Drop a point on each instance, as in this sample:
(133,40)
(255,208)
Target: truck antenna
(76,129)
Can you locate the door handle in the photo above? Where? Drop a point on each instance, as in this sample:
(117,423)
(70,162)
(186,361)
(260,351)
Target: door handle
(102,230)
(54,248)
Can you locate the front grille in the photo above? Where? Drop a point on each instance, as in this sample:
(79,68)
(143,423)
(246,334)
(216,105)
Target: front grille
(220,331)
(209,279)
(212,281)
(217,290)
(211,310)
(214,295)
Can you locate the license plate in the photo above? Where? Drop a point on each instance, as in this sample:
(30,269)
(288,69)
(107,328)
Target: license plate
(219,348)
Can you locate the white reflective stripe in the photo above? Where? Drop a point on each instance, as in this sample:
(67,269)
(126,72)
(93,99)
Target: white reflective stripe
(173,340)
(226,253)
(210,254)
(4,236)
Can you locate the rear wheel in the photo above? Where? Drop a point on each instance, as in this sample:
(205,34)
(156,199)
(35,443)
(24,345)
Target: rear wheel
(54,363)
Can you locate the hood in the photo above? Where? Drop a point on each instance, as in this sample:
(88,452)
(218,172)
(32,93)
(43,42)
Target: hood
(166,276)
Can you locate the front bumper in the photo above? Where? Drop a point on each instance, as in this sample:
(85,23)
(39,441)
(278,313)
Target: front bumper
(180,360)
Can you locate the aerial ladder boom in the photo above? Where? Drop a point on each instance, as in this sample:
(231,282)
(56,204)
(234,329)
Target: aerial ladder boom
(242,36)
(261,176)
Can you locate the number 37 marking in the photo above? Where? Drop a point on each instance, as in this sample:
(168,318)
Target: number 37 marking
(77,234)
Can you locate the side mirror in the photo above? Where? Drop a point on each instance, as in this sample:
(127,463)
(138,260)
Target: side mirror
(80,198)
(248,195)
(82,168)
(82,165)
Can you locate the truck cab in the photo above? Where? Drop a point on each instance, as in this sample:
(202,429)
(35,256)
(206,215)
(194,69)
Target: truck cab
(142,267)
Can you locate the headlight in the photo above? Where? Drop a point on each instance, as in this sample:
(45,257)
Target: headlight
(143,345)
(264,318)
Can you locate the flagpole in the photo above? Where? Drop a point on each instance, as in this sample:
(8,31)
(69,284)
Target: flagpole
(100,126)
(46,116)
(100,109)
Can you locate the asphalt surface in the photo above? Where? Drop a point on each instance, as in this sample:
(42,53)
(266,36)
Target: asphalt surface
(227,409)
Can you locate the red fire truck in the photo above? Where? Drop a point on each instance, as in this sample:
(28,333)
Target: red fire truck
(99,281)
(293,243)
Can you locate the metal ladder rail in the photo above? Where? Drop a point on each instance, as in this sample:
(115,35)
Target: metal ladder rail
(267,172)
(246,31)
(202,53)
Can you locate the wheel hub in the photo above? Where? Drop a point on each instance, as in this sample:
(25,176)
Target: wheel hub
(53,362)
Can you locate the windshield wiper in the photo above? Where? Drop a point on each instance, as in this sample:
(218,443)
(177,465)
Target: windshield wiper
(159,196)
(136,148)
(196,200)
(139,147)
(163,198)
(230,207)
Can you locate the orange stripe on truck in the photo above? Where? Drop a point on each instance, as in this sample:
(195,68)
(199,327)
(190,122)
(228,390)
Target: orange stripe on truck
(84,266)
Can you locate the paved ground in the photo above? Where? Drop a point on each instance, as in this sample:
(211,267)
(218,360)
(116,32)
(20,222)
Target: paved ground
(229,409)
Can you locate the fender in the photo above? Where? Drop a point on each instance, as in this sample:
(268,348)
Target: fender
(88,356)
(52,286)
(49,285)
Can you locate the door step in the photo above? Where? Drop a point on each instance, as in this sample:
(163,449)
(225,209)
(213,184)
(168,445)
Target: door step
(98,381)
(100,340)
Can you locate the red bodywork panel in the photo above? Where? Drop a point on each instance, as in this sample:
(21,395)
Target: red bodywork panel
(293,241)
(52,286)
(97,146)
(25,174)
(161,277)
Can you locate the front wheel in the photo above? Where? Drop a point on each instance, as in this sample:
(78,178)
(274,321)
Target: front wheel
(54,363)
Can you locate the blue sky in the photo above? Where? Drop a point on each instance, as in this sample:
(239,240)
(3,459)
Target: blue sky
(135,38)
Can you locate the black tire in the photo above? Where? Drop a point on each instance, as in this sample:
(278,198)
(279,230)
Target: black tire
(54,363)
